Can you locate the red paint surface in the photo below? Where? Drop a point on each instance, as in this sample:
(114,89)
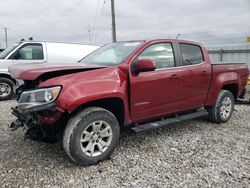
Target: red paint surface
(31,71)
(145,95)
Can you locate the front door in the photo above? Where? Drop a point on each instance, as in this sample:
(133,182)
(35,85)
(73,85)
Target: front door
(155,93)
(29,53)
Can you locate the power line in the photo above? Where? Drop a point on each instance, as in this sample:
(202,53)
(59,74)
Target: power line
(52,21)
(55,19)
(35,6)
(29,9)
(95,18)
(99,22)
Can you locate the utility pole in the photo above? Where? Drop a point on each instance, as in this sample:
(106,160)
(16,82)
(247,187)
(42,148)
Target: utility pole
(89,35)
(113,21)
(6,36)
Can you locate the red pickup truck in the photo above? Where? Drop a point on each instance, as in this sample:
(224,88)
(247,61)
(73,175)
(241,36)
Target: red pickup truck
(144,84)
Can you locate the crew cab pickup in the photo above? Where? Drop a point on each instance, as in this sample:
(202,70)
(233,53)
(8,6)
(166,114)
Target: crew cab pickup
(143,84)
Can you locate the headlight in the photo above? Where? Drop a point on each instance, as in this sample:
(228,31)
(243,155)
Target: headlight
(38,97)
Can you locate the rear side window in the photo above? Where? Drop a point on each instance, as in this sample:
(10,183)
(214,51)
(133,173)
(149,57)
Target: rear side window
(191,54)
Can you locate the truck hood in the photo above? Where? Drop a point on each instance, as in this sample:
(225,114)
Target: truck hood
(31,71)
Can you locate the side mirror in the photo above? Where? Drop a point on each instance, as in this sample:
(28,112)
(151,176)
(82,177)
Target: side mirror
(143,65)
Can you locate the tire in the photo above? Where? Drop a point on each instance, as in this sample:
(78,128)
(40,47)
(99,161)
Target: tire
(223,109)
(7,89)
(81,127)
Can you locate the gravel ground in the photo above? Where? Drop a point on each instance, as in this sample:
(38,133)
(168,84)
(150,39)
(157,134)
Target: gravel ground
(191,154)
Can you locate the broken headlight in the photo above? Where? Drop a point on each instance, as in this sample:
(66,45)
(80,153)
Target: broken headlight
(38,97)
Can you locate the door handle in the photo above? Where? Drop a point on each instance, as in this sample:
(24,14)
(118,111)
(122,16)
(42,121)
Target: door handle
(174,76)
(204,73)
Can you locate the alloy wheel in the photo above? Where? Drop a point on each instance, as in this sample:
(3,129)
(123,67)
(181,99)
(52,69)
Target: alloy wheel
(96,138)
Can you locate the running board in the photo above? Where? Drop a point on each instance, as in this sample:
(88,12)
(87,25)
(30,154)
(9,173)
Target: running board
(165,122)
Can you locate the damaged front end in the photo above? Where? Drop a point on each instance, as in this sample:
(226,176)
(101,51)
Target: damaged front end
(38,115)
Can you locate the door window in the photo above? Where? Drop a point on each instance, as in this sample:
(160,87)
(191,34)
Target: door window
(29,52)
(161,53)
(191,54)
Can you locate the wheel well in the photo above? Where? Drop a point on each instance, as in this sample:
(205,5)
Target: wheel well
(233,88)
(7,76)
(114,105)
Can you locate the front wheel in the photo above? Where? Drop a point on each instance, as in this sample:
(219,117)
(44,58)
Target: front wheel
(91,136)
(7,89)
(223,109)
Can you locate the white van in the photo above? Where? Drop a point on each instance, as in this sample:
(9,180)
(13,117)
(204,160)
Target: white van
(37,52)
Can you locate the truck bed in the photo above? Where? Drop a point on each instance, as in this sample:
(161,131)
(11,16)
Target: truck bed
(226,63)
(232,74)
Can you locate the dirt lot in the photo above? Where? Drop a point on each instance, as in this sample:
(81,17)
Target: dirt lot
(191,154)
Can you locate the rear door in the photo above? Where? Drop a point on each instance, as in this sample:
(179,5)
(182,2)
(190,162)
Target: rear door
(196,76)
(155,93)
(29,53)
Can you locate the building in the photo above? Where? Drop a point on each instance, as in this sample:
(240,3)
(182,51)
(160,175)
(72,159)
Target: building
(230,53)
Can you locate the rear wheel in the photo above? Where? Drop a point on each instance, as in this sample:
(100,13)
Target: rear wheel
(223,109)
(91,136)
(7,89)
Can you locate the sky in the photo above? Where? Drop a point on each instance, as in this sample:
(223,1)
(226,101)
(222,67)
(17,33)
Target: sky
(212,22)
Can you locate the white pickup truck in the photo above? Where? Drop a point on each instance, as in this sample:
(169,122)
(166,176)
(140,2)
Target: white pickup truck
(36,52)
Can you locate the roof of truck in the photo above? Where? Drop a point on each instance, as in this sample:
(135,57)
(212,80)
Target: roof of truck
(35,41)
(164,40)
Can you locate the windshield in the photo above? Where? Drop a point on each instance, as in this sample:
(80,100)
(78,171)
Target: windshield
(6,52)
(111,54)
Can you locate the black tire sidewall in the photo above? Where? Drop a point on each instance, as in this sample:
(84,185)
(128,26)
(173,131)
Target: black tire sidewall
(12,86)
(223,95)
(75,148)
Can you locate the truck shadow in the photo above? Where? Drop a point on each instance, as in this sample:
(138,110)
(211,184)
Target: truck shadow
(181,132)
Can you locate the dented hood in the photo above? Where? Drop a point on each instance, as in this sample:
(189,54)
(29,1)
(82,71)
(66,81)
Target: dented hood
(31,71)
